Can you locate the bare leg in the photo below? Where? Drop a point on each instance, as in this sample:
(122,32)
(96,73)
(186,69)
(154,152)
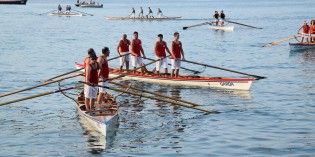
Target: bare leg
(172,73)
(134,70)
(158,73)
(100,98)
(127,66)
(176,72)
(120,68)
(91,103)
(302,39)
(165,71)
(87,104)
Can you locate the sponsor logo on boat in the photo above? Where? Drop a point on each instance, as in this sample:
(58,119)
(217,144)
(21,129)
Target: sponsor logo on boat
(226,83)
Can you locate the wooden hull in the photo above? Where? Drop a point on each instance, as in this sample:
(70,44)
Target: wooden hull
(141,19)
(197,81)
(224,28)
(23,2)
(91,6)
(301,46)
(64,14)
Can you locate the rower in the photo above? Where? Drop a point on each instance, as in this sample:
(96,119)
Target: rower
(59,8)
(123,49)
(133,12)
(312,31)
(305,32)
(160,14)
(87,59)
(136,48)
(91,79)
(177,52)
(222,18)
(159,49)
(216,18)
(141,13)
(103,74)
(150,14)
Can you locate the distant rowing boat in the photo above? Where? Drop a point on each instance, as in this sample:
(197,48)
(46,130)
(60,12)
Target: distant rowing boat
(224,28)
(198,81)
(144,18)
(89,5)
(13,2)
(301,46)
(65,14)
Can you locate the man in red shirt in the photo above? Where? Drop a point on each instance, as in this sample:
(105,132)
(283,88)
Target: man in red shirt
(312,31)
(159,49)
(123,49)
(103,74)
(91,78)
(177,54)
(305,32)
(136,48)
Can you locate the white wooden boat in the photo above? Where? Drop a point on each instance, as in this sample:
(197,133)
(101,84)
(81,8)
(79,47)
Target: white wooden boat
(185,80)
(104,117)
(301,46)
(223,28)
(66,14)
(13,2)
(143,19)
(89,5)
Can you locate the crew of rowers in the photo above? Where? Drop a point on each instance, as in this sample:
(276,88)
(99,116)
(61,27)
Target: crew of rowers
(219,18)
(149,15)
(96,69)
(68,9)
(308,32)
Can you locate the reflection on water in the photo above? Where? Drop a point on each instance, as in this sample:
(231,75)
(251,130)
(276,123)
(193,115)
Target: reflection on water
(305,56)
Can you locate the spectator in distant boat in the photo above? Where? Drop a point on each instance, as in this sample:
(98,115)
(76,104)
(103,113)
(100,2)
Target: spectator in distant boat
(141,13)
(133,12)
(159,49)
(216,18)
(103,74)
(91,79)
(123,49)
(305,32)
(59,8)
(312,31)
(136,48)
(222,18)
(177,54)
(160,14)
(68,9)
(150,14)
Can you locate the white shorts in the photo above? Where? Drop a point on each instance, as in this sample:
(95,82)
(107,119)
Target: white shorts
(305,35)
(175,63)
(222,20)
(136,60)
(312,35)
(101,89)
(215,20)
(90,91)
(160,63)
(124,59)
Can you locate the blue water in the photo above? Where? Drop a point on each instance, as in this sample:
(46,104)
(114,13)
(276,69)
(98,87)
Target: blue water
(275,118)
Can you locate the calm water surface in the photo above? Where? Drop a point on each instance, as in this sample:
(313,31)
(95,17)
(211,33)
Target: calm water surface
(275,118)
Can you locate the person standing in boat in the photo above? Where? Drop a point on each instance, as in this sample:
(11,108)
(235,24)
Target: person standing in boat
(59,8)
(123,49)
(136,50)
(216,18)
(159,49)
(312,31)
(103,74)
(305,32)
(222,18)
(160,14)
(133,12)
(150,14)
(91,79)
(177,55)
(87,60)
(141,13)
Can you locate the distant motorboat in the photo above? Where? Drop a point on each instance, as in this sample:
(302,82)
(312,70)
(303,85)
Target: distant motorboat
(13,2)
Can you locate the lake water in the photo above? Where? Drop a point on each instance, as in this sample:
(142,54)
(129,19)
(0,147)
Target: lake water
(275,118)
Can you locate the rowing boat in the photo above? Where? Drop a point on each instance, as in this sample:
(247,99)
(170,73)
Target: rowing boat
(301,46)
(23,2)
(144,18)
(103,118)
(89,5)
(223,28)
(65,14)
(186,80)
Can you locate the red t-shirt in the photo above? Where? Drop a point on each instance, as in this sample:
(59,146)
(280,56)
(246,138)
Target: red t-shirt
(124,47)
(136,47)
(93,74)
(161,49)
(176,49)
(105,70)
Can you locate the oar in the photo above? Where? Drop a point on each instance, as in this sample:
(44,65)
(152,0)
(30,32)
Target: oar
(83,12)
(47,12)
(42,84)
(215,67)
(194,71)
(82,68)
(282,40)
(154,93)
(200,24)
(155,98)
(243,24)
(39,95)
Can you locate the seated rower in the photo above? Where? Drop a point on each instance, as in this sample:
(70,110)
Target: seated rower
(222,18)
(150,14)
(59,8)
(160,14)
(133,12)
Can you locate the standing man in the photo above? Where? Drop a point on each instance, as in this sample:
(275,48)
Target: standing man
(103,74)
(159,49)
(222,18)
(133,12)
(91,79)
(177,52)
(216,18)
(88,60)
(123,50)
(150,14)
(305,33)
(136,48)
(312,32)
(141,13)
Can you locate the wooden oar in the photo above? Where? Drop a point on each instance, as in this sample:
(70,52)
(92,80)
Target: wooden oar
(83,12)
(47,12)
(194,71)
(154,93)
(151,97)
(210,66)
(243,24)
(282,40)
(82,68)
(42,84)
(200,24)
(39,95)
